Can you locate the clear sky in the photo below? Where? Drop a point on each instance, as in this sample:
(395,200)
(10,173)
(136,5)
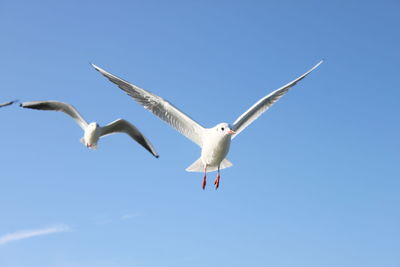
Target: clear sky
(315,181)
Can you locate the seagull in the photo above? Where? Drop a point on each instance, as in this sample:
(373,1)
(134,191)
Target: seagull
(92,130)
(8,103)
(214,142)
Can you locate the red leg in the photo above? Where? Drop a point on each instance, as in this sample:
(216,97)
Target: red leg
(204,178)
(216,182)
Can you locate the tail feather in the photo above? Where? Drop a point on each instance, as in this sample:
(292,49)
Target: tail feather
(198,166)
(225,164)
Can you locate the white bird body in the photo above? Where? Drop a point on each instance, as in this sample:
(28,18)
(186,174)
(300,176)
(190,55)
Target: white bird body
(214,142)
(91,135)
(215,146)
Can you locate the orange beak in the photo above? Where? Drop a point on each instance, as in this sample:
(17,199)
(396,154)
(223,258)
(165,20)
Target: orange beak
(231,132)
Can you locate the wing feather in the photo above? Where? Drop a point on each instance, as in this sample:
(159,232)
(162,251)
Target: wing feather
(123,126)
(159,107)
(57,106)
(265,103)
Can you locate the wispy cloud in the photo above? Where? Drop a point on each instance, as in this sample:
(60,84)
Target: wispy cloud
(106,219)
(32,233)
(129,216)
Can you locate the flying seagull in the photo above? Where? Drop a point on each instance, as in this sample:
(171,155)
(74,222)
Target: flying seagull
(92,130)
(214,142)
(8,103)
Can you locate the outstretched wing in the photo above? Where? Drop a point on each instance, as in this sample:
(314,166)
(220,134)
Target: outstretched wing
(265,103)
(160,107)
(123,126)
(57,106)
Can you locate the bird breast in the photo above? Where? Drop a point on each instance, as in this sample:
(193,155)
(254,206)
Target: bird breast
(91,136)
(215,150)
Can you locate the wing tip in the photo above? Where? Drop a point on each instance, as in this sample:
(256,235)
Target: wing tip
(104,72)
(25,104)
(317,65)
(96,67)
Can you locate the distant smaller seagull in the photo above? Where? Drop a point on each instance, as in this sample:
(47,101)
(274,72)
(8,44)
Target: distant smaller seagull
(8,103)
(93,131)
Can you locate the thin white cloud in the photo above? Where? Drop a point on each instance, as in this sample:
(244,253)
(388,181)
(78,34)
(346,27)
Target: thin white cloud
(32,233)
(129,216)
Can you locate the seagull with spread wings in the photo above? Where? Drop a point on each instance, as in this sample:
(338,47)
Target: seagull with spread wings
(214,142)
(93,131)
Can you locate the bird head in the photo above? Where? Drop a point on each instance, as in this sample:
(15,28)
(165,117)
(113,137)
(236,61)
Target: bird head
(93,125)
(224,129)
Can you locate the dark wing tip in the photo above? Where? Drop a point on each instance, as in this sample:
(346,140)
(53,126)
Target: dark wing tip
(8,103)
(152,151)
(41,105)
(24,104)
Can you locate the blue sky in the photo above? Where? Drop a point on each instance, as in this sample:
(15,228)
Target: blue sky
(315,180)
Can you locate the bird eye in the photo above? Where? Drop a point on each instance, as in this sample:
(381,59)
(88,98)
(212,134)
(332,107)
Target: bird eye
(222,128)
